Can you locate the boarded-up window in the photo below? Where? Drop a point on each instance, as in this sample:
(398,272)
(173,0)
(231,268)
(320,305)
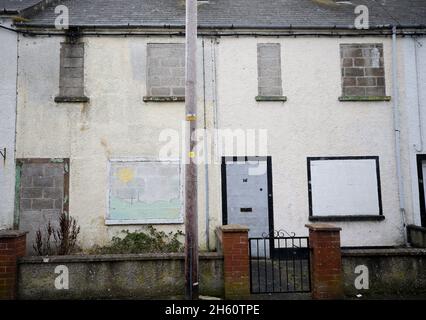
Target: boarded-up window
(269,69)
(363,73)
(144,192)
(41,195)
(71,77)
(166,69)
(344,186)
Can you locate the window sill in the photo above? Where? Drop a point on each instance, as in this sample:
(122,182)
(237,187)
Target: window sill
(60,99)
(348,218)
(271,98)
(164,98)
(365,98)
(116,222)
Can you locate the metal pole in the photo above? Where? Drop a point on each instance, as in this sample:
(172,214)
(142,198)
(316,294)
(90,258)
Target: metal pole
(191,218)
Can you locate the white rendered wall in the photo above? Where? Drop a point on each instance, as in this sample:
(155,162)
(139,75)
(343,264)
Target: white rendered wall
(312,123)
(8,69)
(116,123)
(413,107)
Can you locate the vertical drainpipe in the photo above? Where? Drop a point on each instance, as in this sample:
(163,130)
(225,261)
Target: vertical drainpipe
(17,169)
(418,147)
(397,131)
(206,169)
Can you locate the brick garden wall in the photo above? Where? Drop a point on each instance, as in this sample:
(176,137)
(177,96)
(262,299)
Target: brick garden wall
(326,261)
(235,248)
(12,247)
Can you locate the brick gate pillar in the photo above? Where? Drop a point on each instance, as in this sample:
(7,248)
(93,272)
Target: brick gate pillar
(326,261)
(12,247)
(235,248)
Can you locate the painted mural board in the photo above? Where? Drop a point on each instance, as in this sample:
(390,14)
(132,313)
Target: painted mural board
(144,192)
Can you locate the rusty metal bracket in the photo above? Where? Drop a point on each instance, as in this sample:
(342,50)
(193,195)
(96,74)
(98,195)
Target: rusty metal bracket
(73,34)
(3,154)
(191,117)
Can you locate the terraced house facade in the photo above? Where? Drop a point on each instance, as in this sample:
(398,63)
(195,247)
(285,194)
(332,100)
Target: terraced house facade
(328,118)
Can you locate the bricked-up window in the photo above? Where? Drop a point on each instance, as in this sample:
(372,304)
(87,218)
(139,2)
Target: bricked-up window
(269,72)
(43,194)
(363,74)
(71,76)
(165,72)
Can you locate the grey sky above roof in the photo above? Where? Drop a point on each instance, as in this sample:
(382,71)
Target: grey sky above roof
(16,5)
(239,13)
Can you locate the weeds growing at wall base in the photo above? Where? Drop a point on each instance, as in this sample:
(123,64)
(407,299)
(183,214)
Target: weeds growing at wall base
(150,241)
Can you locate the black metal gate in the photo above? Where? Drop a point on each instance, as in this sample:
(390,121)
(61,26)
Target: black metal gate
(279,263)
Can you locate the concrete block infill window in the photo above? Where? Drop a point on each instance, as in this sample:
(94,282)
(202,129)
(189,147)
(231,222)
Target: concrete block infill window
(269,72)
(71,77)
(363,73)
(165,72)
(42,194)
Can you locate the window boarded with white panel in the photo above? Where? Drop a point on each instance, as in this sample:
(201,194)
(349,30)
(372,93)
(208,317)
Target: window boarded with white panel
(344,187)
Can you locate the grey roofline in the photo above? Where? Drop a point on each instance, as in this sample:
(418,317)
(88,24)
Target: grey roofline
(38,6)
(26,10)
(7,11)
(228,27)
(226,16)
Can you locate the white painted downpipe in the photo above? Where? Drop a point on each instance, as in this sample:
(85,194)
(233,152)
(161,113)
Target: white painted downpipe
(397,131)
(418,147)
(206,156)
